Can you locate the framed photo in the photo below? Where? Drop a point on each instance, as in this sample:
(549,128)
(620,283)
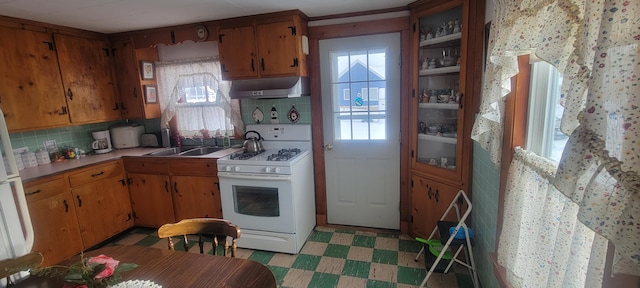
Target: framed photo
(150,94)
(146,68)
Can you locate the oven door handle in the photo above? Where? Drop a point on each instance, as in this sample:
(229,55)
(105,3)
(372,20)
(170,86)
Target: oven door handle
(253,176)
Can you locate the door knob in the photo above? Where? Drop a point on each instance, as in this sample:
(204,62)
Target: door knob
(328,147)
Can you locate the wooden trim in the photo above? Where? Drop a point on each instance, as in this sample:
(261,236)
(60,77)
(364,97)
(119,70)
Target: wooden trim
(46,27)
(317,131)
(360,28)
(359,13)
(515,129)
(405,144)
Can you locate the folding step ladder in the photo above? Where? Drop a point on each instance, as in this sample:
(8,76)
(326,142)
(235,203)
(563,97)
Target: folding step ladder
(448,239)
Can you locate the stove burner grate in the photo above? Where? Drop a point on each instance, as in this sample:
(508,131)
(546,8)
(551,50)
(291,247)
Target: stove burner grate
(284,154)
(244,155)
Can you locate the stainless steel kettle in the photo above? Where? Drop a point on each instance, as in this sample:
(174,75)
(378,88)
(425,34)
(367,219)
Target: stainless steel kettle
(252,144)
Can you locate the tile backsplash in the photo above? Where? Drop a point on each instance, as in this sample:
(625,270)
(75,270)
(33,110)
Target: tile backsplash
(80,136)
(283,105)
(73,136)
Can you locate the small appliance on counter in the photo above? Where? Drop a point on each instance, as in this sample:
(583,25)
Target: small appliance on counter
(102,143)
(126,136)
(151,139)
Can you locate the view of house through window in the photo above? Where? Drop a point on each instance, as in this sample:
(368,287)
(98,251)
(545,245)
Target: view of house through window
(545,112)
(359,85)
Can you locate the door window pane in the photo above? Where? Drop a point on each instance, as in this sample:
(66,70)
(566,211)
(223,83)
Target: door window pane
(358,87)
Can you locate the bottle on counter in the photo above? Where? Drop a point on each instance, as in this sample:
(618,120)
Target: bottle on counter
(226,141)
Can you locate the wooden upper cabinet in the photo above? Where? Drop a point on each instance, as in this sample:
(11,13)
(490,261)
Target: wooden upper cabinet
(238,52)
(31,93)
(87,76)
(271,47)
(277,49)
(127,65)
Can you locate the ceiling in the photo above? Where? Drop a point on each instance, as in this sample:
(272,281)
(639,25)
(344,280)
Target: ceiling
(112,16)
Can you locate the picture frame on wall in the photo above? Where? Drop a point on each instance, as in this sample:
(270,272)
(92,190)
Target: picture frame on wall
(150,94)
(147,70)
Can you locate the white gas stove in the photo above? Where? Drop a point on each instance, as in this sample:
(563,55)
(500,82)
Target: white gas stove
(270,195)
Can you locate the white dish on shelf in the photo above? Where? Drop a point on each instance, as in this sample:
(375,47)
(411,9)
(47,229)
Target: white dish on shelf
(136,284)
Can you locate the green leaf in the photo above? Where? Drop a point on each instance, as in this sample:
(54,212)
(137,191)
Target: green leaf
(73,276)
(122,267)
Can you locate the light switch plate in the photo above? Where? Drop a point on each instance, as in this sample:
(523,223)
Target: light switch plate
(50,145)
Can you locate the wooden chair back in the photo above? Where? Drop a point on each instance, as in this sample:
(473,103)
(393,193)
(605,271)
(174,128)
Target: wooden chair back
(206,229)
(26,262)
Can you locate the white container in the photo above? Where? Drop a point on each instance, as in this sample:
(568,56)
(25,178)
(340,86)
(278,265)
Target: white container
(127,136)
(29,159)
(19,162)
(43,157)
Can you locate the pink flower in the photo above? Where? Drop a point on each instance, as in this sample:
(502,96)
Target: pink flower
(110,263)
(66,285)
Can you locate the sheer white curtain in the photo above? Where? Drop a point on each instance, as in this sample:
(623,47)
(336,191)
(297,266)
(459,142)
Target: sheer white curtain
(594,44)
(542,242)
(176,76)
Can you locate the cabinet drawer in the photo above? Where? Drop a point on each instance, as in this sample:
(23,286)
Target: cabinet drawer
(146,166)
(44,188)
(195,167)
(95,173)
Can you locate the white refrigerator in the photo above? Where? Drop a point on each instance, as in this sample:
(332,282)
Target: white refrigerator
(16,232)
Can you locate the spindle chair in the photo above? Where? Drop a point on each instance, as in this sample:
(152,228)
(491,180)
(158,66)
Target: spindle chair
(206,229)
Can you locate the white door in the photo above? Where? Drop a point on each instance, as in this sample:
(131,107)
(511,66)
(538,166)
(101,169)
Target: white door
(361,107)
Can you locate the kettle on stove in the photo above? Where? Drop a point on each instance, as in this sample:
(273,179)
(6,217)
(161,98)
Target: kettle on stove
(252,144)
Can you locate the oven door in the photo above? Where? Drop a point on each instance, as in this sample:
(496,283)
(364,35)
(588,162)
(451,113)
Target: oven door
(257,202)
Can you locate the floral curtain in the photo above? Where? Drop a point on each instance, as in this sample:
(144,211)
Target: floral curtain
(594,44)
(175,76)
(542,243)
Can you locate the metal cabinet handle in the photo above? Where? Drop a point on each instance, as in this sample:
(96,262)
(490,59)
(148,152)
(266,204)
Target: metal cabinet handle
(175,187)
(64,111)
(262,63)
(97,174)
(429,192)
(252,65)
(66,205)
(166,185)
(437,196)
(328,147)
(79,200)
(70,94)
(33,193)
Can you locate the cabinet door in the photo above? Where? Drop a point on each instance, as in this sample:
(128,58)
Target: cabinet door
(420,207)
(31,93)
(151,199)
(128,79)
(196,197)
(277,50)
(85,65)
(103,209)
(55,227)
(429,202)
(237,48)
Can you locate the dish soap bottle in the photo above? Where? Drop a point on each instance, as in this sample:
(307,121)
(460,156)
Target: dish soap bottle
(226,141)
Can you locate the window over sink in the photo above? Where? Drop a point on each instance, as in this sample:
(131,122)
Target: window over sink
(192,91)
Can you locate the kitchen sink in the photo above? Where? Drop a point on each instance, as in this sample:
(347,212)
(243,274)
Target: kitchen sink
(185,151)
(200,151)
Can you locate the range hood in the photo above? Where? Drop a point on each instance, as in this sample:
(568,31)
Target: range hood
(280,87)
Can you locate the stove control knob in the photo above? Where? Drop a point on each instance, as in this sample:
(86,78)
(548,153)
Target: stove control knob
(267,169)
(236,168)
(227,168)
(277,170)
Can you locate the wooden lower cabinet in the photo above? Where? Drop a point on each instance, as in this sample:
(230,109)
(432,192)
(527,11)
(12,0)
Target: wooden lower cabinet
(102,201)
(103,209)
(196,196)
(151,199)
(429,200)
(169,190)
(53,216)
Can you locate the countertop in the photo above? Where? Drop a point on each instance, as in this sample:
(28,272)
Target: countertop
(29,174)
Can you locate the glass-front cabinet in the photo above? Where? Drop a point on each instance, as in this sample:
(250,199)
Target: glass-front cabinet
(446,74)
(438,102)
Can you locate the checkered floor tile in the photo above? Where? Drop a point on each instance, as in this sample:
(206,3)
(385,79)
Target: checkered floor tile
(336,257)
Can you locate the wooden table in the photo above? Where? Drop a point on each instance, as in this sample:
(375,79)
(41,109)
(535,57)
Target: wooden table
(177,269)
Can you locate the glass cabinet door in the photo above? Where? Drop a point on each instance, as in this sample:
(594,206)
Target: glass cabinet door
(439,91)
